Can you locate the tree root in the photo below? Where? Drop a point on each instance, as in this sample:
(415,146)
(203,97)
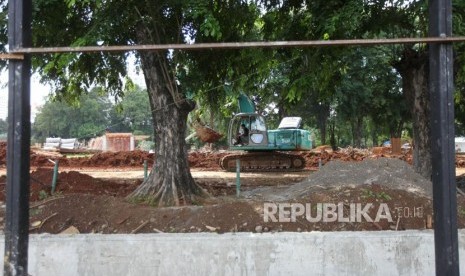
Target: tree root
(162,198)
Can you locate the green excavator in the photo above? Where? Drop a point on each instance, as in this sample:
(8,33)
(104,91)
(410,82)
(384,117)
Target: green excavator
(264,150)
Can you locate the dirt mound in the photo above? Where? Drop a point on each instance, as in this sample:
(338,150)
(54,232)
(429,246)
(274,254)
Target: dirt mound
(70,183)
(388,172)
(206,160)
(460,160)
(315,158)
(2,153)
(98,206)
(121,158)
(104,214)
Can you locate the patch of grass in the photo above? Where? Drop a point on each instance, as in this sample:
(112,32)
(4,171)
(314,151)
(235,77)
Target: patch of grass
(148,200)
(35,211)
(367,193)
(196,202)
(43,195)
(59,193)
(461,210)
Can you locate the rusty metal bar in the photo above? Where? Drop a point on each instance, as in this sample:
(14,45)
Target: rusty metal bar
(237,45)
(12,56)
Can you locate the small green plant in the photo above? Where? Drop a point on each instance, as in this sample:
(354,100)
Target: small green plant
(58,193)
(196,202)
(384,196)
(461,210)
(367,193)
(35,212)
(43,195)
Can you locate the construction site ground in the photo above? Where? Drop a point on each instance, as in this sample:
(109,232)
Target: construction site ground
(91,192)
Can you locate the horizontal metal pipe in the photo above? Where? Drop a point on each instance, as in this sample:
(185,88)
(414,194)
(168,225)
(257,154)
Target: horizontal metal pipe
(237,45)
(12,56)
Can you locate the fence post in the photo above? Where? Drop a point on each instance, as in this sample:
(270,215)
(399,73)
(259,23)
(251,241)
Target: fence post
(55,176)
(238,177)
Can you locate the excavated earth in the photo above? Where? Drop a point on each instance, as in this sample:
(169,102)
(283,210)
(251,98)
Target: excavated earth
(86,204)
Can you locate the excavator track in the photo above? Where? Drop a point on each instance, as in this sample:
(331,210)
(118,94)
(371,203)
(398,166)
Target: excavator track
(263,162)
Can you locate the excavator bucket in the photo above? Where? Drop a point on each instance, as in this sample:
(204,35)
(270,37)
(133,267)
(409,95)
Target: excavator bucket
(207,134)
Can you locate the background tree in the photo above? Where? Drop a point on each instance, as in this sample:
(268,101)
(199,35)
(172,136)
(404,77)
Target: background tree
(87,117)
(3,129)
(93,113)
(459,66)
(3,126)
(132,113)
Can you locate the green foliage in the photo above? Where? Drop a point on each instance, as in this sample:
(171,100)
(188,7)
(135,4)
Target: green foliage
(35,211)
(133,113)
(91,114)
(84,119)
(3,31)
(146,145)
(3,126)
(368,193)
(43,195)
(340,85)
(458,24)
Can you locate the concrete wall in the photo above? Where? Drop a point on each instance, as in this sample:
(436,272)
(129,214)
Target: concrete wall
(315,253)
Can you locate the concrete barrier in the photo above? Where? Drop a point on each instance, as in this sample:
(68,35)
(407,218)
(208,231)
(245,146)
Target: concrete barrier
(314,253)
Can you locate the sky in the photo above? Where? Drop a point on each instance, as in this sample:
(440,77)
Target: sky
(40,92)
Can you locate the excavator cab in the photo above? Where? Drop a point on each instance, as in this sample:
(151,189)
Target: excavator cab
(248,131)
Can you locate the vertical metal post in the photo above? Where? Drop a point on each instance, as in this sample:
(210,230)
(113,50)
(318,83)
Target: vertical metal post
(443,134)
(55,177)
(19,134)
(238,177)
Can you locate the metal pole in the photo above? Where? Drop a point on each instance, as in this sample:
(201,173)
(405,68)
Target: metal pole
(442,145)
(145,170)
(19,134)
(55,176)
(232,45)
(238,177)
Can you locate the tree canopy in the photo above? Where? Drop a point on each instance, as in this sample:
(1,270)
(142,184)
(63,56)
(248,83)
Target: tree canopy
(92,114)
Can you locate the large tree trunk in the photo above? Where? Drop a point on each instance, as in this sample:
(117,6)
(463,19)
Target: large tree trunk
(413,68)
(322,126)
(322,120)
(374,136)
(332,134)
(357,131)
(170,181)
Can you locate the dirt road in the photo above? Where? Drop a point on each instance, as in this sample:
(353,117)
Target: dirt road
(138,174)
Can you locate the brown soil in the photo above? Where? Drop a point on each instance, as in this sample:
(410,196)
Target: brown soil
(202,160)
(99,206)
(95,205)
